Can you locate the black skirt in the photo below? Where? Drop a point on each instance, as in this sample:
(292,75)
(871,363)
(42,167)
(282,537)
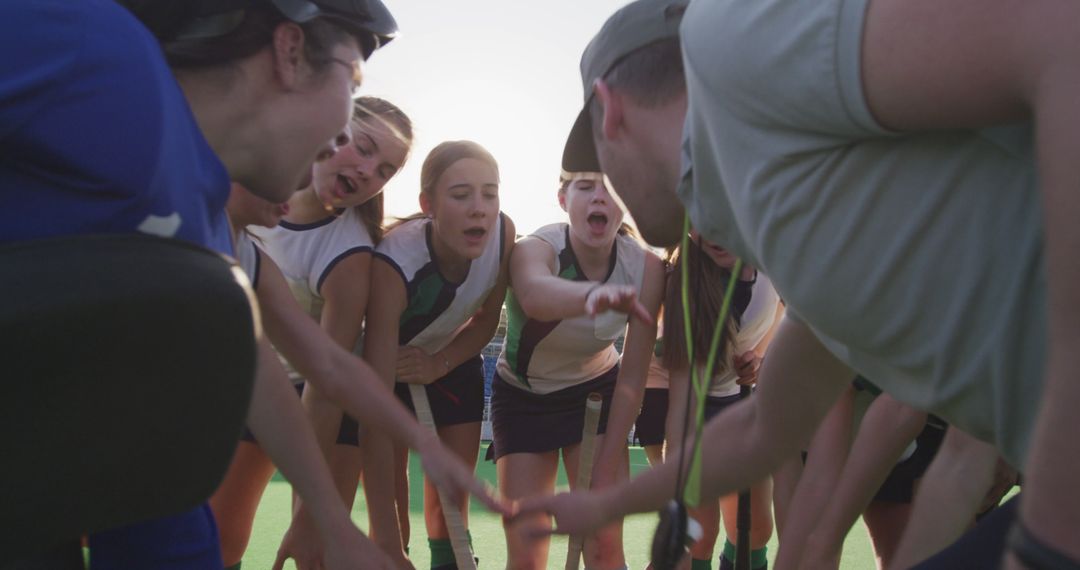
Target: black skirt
(457,398)
(524,422)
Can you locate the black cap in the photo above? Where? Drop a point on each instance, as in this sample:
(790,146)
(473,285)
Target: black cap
(633,27)
(370,20)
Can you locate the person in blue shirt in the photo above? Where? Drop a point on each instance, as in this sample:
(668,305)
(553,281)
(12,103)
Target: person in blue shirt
(123,121)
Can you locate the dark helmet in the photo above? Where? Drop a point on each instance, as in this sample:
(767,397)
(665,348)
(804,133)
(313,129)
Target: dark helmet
(369,20)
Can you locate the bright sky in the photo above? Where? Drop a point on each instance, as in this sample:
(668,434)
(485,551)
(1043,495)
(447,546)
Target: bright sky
(503,73)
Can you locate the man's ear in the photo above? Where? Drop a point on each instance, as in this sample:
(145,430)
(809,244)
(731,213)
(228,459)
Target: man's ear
(288,53)
(613,105)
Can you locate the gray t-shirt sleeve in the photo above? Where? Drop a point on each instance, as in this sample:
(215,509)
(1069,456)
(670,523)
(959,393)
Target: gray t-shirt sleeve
(805,54)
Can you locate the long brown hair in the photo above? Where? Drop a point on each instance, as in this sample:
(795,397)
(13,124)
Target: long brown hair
(438,160)
(707,282)
(395,120)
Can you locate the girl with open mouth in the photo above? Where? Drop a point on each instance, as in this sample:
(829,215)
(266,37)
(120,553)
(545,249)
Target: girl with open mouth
(324,248)
(437,286)
(573,286)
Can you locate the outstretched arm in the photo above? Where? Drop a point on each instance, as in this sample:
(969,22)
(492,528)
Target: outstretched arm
(547,297)
(970,63)
(277,420)
(950,493)
(630,386)
(800,380)
(380,349)
(826,455)
(887,428)
(345,293)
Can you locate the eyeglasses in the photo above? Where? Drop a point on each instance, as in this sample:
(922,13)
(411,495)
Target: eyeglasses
(356,74)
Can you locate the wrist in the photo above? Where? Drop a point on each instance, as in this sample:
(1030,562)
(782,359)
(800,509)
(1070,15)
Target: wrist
(592,288)
(443,361)
(610,504)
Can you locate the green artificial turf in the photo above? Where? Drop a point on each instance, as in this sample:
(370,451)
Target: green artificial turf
(273,518)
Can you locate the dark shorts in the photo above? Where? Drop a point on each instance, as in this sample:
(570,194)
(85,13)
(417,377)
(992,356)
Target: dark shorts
(524,422)
(457,398)
(250,437)
(899,486)
(650,425)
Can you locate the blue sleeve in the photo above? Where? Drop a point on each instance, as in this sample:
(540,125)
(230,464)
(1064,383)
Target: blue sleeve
(40,41)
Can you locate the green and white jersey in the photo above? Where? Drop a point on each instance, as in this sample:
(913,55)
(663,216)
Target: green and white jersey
(543,357)
(306,253)
(437,308)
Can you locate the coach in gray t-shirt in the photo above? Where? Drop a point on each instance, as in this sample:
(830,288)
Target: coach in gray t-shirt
(912,254)
(915,258)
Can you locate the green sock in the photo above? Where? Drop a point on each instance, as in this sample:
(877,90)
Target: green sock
(729,551)
(442,552)
(696,564)
(759,558)
(234,566)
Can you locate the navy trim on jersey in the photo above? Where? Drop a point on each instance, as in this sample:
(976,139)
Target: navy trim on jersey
(613,258)
(330,266)
(435,260)
(258,266)
(390,261)
(309,226)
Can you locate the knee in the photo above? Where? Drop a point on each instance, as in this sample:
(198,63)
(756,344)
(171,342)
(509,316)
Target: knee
(761,529)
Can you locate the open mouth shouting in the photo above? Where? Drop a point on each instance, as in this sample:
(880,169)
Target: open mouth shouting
(598,223)
(474,236)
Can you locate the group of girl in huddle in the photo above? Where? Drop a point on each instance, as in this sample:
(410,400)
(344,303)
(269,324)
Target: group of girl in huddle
(420,299)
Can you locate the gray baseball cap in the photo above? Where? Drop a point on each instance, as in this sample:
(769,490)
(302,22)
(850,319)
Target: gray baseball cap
(633,27)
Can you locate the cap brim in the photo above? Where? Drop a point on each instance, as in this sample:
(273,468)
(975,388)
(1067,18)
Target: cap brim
(579,154)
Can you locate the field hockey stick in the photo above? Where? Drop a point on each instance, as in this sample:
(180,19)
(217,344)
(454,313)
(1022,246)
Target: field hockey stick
(455,524)
(742,518)
(585,464)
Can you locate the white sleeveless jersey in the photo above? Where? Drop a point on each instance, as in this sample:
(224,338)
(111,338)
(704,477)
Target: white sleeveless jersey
(543,357)
(306,253)
(247,255)
(436,308)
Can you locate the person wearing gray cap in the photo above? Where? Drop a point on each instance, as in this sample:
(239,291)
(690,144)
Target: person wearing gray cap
(853,150)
